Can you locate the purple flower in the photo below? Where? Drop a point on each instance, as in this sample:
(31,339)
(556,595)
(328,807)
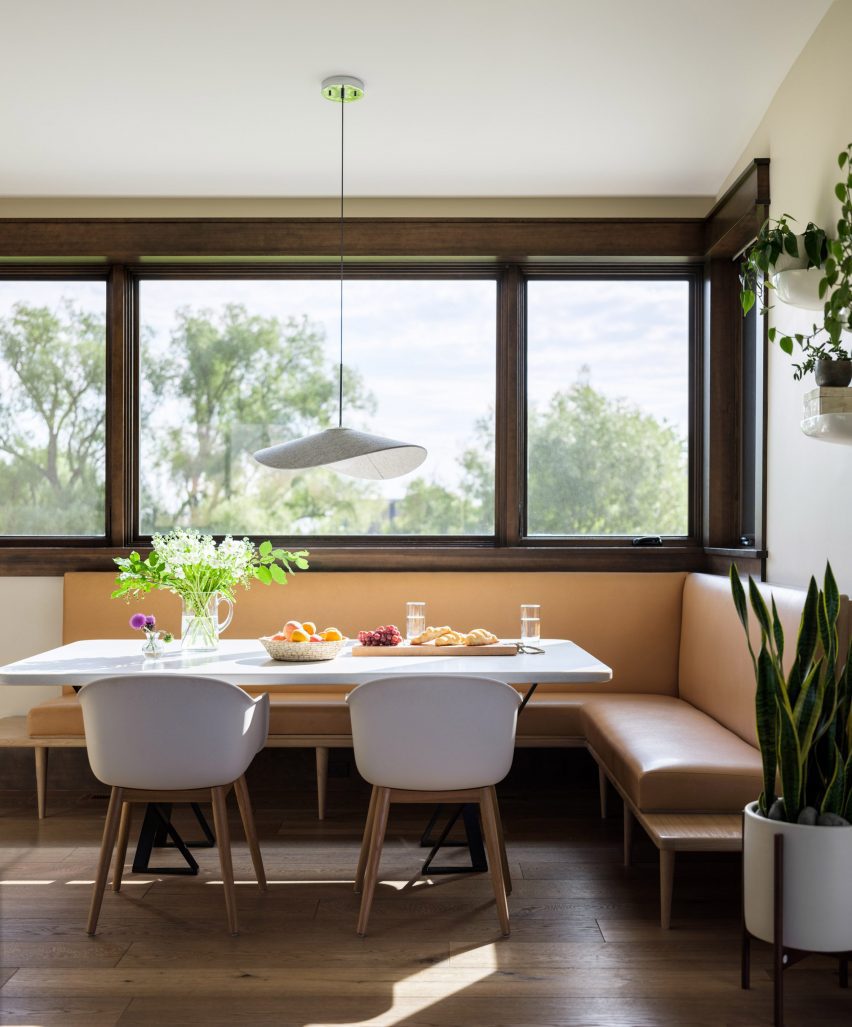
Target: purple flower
(150,622)
(137,621)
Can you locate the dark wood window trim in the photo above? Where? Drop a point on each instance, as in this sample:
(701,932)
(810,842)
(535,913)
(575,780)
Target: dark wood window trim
(510,250)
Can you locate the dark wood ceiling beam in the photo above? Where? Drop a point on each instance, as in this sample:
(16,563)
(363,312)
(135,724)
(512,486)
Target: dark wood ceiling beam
(131,239)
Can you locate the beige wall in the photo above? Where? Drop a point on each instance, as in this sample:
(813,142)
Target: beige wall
(30,622)
(809,482)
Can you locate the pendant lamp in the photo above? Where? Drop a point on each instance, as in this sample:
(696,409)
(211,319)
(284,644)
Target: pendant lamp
(346,450)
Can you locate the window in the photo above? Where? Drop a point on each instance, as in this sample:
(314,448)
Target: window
(608,406)
(229,366)
(52,407)
(569,402)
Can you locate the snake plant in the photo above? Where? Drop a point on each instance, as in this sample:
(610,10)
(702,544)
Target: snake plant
(804,716)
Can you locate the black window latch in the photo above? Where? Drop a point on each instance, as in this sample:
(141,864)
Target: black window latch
(648,540)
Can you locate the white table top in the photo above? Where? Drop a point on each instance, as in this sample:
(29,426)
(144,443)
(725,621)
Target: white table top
(245,662)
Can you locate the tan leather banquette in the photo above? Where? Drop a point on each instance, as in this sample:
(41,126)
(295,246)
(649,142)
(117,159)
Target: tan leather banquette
(673,731)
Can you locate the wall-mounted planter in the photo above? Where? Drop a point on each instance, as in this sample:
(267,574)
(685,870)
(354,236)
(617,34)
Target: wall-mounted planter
(800,287)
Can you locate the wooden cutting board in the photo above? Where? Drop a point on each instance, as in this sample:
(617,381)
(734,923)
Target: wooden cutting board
(497,649)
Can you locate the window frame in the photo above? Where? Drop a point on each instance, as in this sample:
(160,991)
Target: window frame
(69,273)
(514,249)
(305,272)
(690,273)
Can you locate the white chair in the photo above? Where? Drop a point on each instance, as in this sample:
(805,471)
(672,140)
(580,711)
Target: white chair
(433,738)
(170,738)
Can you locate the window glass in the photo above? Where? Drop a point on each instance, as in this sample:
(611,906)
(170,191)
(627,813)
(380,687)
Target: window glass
(608,407)
(52,407)
(227,367)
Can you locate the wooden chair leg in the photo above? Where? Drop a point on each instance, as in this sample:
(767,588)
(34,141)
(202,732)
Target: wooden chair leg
(365,842)
(628,834)
(667,862)
(121,844)
(107,844)
(322,780)
(602,783)
(377,838)
(492,849)
(244,802)
(41,752)
(223,841)
(507,877)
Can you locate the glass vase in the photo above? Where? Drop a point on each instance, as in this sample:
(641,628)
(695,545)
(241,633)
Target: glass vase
(154,646)
(200,626)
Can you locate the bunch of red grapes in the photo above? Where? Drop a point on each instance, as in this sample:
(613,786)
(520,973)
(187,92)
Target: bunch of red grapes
(387,635)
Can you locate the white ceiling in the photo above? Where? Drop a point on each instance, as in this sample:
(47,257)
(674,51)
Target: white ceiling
(464,97)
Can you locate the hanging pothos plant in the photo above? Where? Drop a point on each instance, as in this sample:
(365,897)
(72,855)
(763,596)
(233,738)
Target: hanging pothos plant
(833,256)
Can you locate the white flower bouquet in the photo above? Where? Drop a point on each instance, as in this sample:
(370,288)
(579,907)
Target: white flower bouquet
(195,568)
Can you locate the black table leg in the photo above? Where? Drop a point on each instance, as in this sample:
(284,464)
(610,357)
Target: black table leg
(472,826)
(473,842)
(157,829)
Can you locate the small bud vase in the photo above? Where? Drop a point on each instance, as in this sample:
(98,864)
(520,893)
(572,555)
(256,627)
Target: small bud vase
(154,646)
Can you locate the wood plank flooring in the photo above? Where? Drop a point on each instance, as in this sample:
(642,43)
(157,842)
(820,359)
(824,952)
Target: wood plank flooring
(586,949)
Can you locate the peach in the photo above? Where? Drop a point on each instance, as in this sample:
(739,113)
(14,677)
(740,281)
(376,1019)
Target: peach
(317,638)
(309,626)
(290,627)
(299,635)
(332,635)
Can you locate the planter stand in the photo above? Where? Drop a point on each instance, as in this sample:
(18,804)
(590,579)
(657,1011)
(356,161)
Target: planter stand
(783,957)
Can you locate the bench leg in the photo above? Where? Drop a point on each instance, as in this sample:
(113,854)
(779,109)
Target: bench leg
(41,752)
(628,834)
(322,780)
(602,782)
(667,862)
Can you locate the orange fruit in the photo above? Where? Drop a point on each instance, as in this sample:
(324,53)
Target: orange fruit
(299,635)
(332,635)
(309,626)
(290,627)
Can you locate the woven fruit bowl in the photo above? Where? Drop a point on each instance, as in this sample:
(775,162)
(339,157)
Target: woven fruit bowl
(301,652)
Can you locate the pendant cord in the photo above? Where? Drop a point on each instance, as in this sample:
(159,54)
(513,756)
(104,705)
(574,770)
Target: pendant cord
(340,369)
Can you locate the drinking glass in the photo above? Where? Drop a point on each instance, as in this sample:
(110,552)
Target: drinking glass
(415,619)
(530,622)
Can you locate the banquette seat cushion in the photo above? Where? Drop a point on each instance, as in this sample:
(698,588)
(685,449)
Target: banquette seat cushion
(696,752)
(668,756)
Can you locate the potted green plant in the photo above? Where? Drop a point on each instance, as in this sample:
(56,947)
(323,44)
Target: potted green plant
(822,348)
(803,708)
(778,248)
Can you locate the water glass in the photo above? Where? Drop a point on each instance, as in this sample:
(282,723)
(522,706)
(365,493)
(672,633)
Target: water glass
(415,619)
(530,622)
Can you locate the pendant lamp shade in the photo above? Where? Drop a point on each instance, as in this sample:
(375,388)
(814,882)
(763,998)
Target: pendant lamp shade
(351,452)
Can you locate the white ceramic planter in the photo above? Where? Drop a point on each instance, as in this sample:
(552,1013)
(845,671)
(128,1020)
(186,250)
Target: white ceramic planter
(817,893)
(800,287)
(785,262)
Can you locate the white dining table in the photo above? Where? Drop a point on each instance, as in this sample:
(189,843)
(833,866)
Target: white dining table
(245,662)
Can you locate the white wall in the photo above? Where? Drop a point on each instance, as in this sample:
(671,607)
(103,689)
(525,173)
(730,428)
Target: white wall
(30,622)
(809,482)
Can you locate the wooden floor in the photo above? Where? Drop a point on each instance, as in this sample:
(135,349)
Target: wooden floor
(585,947)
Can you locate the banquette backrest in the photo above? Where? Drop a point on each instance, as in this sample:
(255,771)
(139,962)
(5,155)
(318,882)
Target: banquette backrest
(631,621)
(716,673)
